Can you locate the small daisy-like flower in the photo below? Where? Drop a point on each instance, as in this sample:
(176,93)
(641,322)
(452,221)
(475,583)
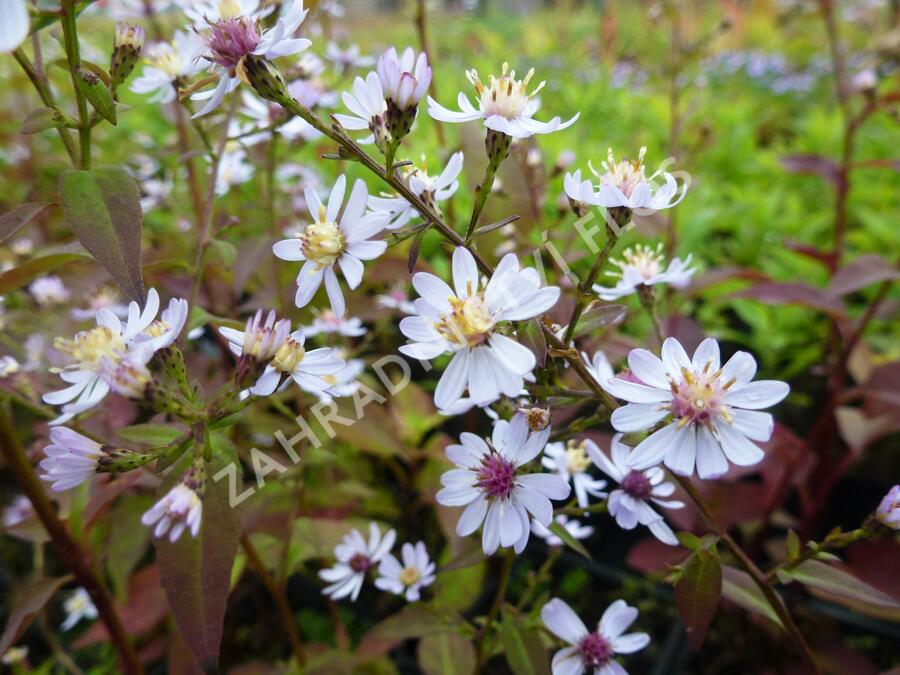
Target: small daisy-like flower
(201,11)
(331,241)
(104,353)
(624,184)
(258,344)
(169,65)
(345,59)
(888,511)
(630,504)
(592,652)
(431,189)
(265,115)
(404,78)
(15,25)
(17,512)
(107,298)
(71,459)
(504,104)
(643,266)
(8,366)
(396,298)
(344,382)
(181,508)
(463,321)
(366,102)
(234,170)
(572,526)
(327,322)
(409,577)
(235,37)
(13,655)
(713,409)
(78,606)
(570,462)
(355,556)
(490,484)
(48,291)
(163,332)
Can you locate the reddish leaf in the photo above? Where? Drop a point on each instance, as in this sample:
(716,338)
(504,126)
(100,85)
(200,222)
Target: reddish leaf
(697,594)
(738,587)
(31,600)
(196,572)
(416,620)
(840,585)
(794,293)
(651,555)
(864,271)
(17,277)
(19,217)
(813,164)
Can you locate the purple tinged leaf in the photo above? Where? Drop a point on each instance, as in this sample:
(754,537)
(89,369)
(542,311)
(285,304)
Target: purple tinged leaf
(795,293)
(813,164)
(103,208)
(740,588)
(864,271)
(834,581)
(697,594)
(31,600)
(19,276)
(196,573)
(19,217)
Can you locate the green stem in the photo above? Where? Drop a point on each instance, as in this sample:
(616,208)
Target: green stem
(585,287)
(71,553)
(73,56)
(647,297)
(483,192)
(484,631)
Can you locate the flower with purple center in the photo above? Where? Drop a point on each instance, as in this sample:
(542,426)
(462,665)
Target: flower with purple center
(712,409)
(630,505)
(888,511)
(571,462)
(232,38)
(490,483)
(355,556)
(592,651)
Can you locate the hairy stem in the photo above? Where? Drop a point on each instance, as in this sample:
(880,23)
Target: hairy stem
(584,288)
(73,56)
(71,553)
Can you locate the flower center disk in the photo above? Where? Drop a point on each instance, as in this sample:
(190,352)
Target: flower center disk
(595,649)
(469,323)
(496,476)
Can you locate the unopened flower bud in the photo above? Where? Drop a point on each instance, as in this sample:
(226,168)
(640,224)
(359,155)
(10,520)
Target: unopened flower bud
(264,77)
(497,145)
(126,52)
(888,512)
(538,418)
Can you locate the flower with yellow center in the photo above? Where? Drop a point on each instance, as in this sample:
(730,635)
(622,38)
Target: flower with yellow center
(469,323)
(322,242)
(170,64)
(571,463)
(89,347)
(409,575)
(505,105)
(577,457)
(644,266)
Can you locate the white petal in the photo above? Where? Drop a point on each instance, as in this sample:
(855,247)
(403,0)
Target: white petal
(757,395)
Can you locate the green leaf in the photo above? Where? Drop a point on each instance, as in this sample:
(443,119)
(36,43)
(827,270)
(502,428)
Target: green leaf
(532,336)
(567,538)
(19,276)
(525,653)
(793,545)
(842,586)
(149,434)
(31,600)
(128,540)
(19,217)
(225,250)
(103,208)
(598,316)
(413,621)
(96,92)
(697,594)
(42,119)
(195,573)
(446,654)
(739,587)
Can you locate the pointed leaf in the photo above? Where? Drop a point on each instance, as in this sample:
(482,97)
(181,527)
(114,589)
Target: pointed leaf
(416,620)
(599,316)
(19,276)
(834,581)
(103,209)
(739,587)
(19,217)
(446,654)
(570,541)
(196,573)
(697,594)
(30,601)
(525,653)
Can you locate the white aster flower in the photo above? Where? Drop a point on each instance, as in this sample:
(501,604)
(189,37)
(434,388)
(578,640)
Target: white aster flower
(404,78)
(111,356)
(888,511)
(14,655)
(368,106)
(572,526)
(265,115)
(344,59)
(234,37)
(15,25)
(592,651)
(71,459)
(154,192)
(169,65)
(631,504)
(9,366)
(259,342)
(504,104)
(107,298)
(409,577)
(643,266)
(78,606)
(48,291)
(331,241)
(463,321)
(17,512)
(234,170)
(431,189)
(344,382)
(624,184)
(327,322)
(571,463)
(396,298)
(355,556)
(494,491)
(199,11)
(180,509)
(713,409)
